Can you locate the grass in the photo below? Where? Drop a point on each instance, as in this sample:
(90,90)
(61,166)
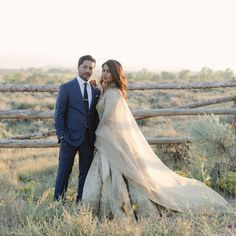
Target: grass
(27,207)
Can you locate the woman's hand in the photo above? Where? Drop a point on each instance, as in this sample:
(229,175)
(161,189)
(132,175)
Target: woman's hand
(93,82)
(98,86)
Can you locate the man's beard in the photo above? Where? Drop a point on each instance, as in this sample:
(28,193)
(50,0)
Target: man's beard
(85,76)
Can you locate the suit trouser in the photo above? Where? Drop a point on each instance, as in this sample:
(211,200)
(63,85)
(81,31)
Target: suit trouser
(66,161)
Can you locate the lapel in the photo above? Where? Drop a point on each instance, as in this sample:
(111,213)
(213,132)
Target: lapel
(93,97)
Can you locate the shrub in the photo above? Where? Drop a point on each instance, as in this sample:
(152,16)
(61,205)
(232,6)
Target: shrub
(228,183)
(213,152)
(175,156)
(212,138)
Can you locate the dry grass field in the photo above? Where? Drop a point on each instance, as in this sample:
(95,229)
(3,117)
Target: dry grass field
(27,175)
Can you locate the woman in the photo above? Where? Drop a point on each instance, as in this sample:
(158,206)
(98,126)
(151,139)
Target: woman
(126,177)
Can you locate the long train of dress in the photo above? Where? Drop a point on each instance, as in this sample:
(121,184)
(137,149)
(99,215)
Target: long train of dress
(127,177)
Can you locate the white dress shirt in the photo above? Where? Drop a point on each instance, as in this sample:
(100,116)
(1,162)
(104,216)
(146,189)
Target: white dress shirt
(89,90)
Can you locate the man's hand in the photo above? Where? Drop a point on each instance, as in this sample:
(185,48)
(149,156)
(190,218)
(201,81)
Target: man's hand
(60,139)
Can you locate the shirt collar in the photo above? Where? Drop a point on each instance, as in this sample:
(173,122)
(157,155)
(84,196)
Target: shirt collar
(81,81)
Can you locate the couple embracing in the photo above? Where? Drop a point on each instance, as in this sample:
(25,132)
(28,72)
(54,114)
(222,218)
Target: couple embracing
(123,176)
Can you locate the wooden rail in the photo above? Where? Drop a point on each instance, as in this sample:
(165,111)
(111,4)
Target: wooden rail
(38,135)
(151,86)
(177,112)
(11,143)
(208,102)
(144,113)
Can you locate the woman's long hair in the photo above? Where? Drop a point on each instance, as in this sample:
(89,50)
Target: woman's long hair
(118,75)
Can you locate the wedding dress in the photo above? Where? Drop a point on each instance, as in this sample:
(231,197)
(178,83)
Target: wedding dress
(126,176)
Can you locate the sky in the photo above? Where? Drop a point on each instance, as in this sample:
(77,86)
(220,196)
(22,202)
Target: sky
(141,34)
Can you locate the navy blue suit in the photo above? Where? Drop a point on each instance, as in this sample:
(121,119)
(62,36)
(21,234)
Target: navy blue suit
(75,130)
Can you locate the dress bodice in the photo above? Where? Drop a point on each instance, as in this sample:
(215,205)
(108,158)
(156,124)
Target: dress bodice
(102,100)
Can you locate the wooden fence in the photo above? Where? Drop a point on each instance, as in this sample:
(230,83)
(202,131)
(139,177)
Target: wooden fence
(35,140)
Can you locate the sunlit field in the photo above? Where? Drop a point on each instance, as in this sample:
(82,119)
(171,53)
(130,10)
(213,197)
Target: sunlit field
(27,175)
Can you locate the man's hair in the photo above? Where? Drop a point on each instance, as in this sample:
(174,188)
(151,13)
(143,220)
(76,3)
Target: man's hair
(86,58)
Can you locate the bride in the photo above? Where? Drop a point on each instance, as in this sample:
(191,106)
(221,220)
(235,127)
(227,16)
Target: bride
(126,177)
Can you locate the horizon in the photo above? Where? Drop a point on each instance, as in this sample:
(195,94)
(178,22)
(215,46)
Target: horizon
(96,70)
(74,68)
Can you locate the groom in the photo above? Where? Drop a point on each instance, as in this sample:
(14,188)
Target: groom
(76,120)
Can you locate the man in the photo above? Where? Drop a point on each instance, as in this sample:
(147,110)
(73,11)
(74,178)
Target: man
(76,120)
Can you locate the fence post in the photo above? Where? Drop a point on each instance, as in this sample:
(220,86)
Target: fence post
(234,120)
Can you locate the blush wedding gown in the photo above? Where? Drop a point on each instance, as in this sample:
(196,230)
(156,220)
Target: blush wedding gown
(127,178)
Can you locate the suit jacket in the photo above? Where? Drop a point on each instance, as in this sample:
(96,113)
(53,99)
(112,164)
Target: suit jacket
(71,120)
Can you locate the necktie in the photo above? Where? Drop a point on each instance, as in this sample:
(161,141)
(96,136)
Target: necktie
(86,102)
